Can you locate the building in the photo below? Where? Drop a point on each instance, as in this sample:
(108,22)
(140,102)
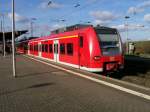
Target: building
(8,39)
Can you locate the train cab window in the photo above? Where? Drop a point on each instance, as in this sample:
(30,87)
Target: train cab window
(46,48)
(42,47)
(62,48)
(50,48)
(70,49)
(81,41)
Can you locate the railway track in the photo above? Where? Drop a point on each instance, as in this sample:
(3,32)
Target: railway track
(137,71)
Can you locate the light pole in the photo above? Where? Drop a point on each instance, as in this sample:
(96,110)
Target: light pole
(31,26)
(13,39)
(126,24)
(1,26)
(4,36)
(3,30)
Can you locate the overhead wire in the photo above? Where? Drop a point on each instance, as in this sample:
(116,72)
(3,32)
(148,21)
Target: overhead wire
(77,7)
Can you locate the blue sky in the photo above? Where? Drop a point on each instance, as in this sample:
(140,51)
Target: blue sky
(61,13)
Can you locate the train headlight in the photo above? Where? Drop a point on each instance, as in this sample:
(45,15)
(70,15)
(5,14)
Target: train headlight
(97,58)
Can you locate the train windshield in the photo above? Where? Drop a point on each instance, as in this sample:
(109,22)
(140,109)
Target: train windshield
(109,40)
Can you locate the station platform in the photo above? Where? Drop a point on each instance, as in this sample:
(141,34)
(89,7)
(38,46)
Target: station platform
(43,86)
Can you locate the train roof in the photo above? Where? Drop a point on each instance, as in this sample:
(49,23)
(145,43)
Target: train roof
(70,28)
(65,30)
(80,26)
(105,30)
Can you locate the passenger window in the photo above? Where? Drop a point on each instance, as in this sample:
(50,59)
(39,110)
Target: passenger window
(37,47)
(30,47)
(50,48)
(81,41)
(62,48)
(34,47)
(42,47)
(46,48)
(70,49)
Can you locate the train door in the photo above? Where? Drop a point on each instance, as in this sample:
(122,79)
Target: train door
(29,48)
(39,49)
(82,55)
(56,55)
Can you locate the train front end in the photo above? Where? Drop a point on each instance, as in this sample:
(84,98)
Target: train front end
(110,49)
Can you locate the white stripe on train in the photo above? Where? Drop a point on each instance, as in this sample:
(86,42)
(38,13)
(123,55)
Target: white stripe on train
(72,65)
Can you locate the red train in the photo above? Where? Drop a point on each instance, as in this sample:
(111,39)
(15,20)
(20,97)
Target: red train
(22,47)
(94,49)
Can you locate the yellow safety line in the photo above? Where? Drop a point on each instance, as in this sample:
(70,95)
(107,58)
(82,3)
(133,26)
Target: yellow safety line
(72,36)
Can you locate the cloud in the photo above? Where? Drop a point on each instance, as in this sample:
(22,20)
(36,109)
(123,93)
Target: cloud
(53,5)
(103,17)
(147,17)
(44,29)
(131,27)
(135,10)
(18,18)
(120,27)
(139,8)
(56,26)
(144,4)
(92,1)
(100,22)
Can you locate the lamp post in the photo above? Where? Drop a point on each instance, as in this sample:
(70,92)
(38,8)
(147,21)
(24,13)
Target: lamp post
(126,24)
(31,26)
(13,39)
(1,26)
(4,37)
(3,30)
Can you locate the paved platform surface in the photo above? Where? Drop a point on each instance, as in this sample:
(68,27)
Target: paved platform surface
(41,88)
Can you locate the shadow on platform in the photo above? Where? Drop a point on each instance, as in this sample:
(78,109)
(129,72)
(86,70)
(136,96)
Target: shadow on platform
(33,74)
(40,85)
